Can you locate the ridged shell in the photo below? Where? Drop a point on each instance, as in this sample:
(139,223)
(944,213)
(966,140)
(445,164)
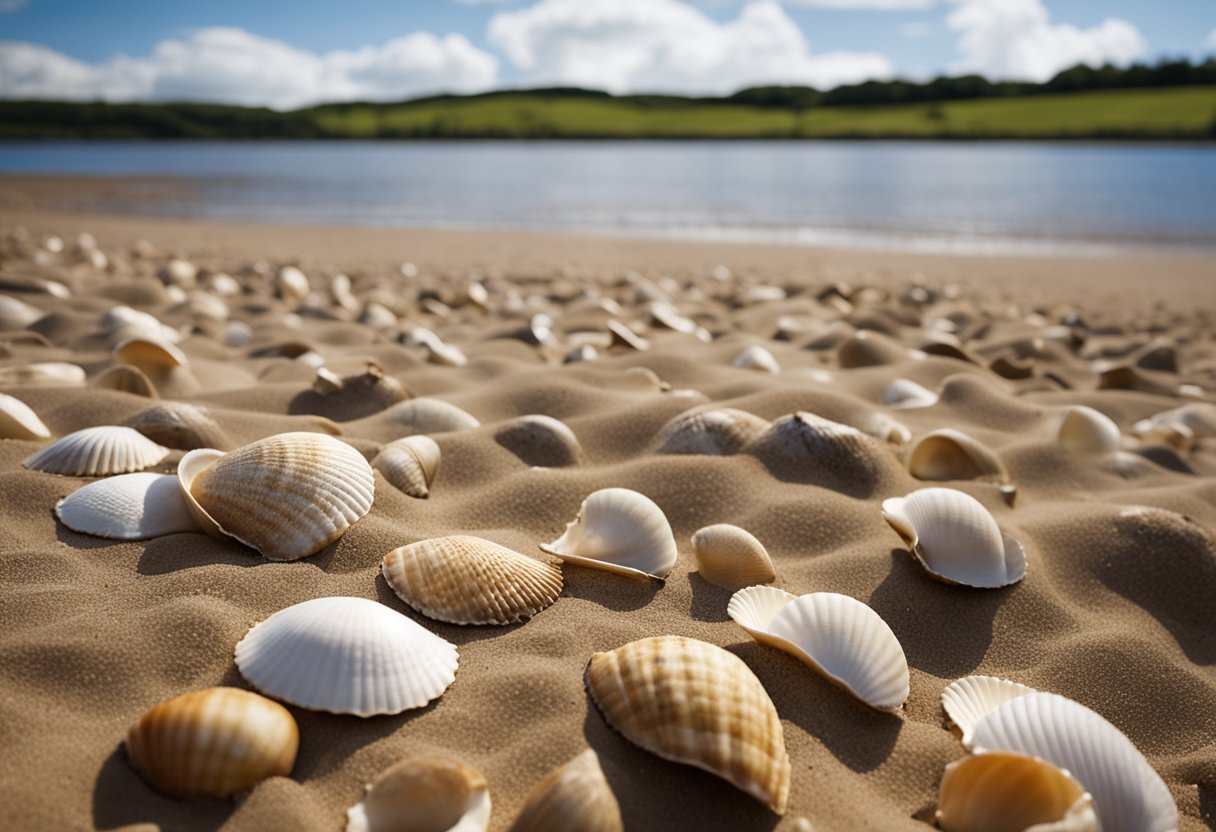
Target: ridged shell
(719,432)
(127,379)
(127,507)
(540,441)
(955,538)
(42,374)
(903,394)
(346,656)
(1084,430)
(731,557)
(431,416)
(695,703)
(19,421)
(216,742)
(468,580)
(757,358)
(621,531)
(803,447)
(1002,792)
(98,452)
(180,425)
(574,797)
(967,700)
(1129,796)
(409,464)
(288,496)
(949,454)
(870,349)
(427,794)
(838,636)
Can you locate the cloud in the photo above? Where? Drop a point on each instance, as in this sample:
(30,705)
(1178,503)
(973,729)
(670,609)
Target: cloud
(8,6)
(879,5)
(237,67)
(1016,40)
(1210,42)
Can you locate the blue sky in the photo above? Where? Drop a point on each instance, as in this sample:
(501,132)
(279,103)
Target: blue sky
(288,53)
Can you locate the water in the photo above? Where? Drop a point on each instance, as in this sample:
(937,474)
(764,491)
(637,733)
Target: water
(927,196)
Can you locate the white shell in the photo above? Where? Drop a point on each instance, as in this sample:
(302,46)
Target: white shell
(838,636)
(955,538)
(42,374)
(346,656)
(425,794)
(719,432)
(757,358)
(904,394)
(1084,430)
(98,452)
(1003,792)
(1197,418)
(1129,796)
(409,464)
(621,531)
(425,415)
(291,284)
(19,421)
(128,507)
(731,557)
(16,314)
(967,700)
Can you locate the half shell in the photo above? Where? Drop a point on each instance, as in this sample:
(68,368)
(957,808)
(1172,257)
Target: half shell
(731,557)
(718,432)
(540,441)
(346,656)
(695,703)
(1084,430)
(179,425)
(427,794)
(19,421)
(621,531)
(164,364)
(1002,792)
(424,415)
(949,454)
(409,464)
(575,797)
(757,358)
(98,452)
(127,379)
(127,507)
(967,700)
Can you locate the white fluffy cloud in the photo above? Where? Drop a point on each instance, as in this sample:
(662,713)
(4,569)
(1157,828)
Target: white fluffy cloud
(1016,40)
(668,46)
(882,5)
(236,67)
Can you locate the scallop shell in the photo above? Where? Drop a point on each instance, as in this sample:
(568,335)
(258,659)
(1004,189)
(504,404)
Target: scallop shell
(425,415)
(719,432)
(468,580)
(179,425)
(1084,430)
(540,441)
(870,349)
(19,421)
(346,656)
(213,743)
(620,531)
(1003,792)
(757,358)
(838,636)
(127,507)
(409,464)
(692,702)
(288,496)
(575,797)
(949,454)
(427,794)
(127,379)
(731,557)
(803,447)
(967,700)
(1129,796)
(98,452)
(903,394)
(42,374)
(955,538)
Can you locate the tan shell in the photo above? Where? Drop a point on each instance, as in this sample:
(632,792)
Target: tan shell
(19,421)
(949,454)
(425,415)
(213,743)
(468,580)
(98,452)
(426,794)
(540,441)
(731,557)
(692,702)
(1086,431)
(757,358)
(620,531)
(575,797)
(1004,792)
(179,425)
(409,464)
(803,447)
(718,432)
(288,496)
(127,379)
(163,363)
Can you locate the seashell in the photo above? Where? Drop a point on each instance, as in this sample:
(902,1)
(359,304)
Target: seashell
(425,415)
(1198,419)
(620,335)
(42,374)
(179,425)
(16,314)
(1116,377)
(757,358)
(350,397)
(1003,792)
(291,285)
(409,464)
(870,349)
(884,427)
(719,432)
(98,452)
(692,702)
(127,507)
(164,364)
(620,531)
(949,454)
(955,538)
(426,794)
(178,272)
(583,352)
(288,496)
(1129,796)
(838,636)
(665,315)
(216,742)
(902,394)
(1157,355)
(540,441)
(1084,430)
(19,421)
(1010,367)
(967,700)
(730,557)
(575,796)
(829,336)
(127,379)
(346,656)
(468,580)
(236,334)
(804,447)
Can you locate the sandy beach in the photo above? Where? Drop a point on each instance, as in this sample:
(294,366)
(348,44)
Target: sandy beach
(1116,609)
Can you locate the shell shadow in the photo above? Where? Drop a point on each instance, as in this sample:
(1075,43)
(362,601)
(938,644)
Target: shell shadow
(163,555)
(708,600)
(1166,457)
(121,798)
(613,592)
(1207,805)
(79,540)
(344,735)
(458,634)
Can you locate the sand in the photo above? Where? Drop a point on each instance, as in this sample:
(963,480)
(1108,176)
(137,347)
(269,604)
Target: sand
(1116,609)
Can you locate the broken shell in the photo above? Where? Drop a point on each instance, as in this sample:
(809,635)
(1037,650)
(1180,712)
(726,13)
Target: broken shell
(967,700)
(719,432)
(409,464)
(692,702)
(620,531)
(575,796)
(468,580)
(1002,792)
(757,358)
(803,447)
(948,454)
(213,743)
(955,538)
(42,374)
(838,636)
(1084,430)
(127,379)
(902,394)
(731,557)
(19,421)
(427,794)
(127,507)
(346,656)
(540,441)
(288,496)
(98,452)
(179,425)
(425,415)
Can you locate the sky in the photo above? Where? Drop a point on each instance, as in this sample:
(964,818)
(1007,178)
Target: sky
(294,53)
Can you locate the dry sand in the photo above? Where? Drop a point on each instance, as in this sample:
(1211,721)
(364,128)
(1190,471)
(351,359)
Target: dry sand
(1116,611)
